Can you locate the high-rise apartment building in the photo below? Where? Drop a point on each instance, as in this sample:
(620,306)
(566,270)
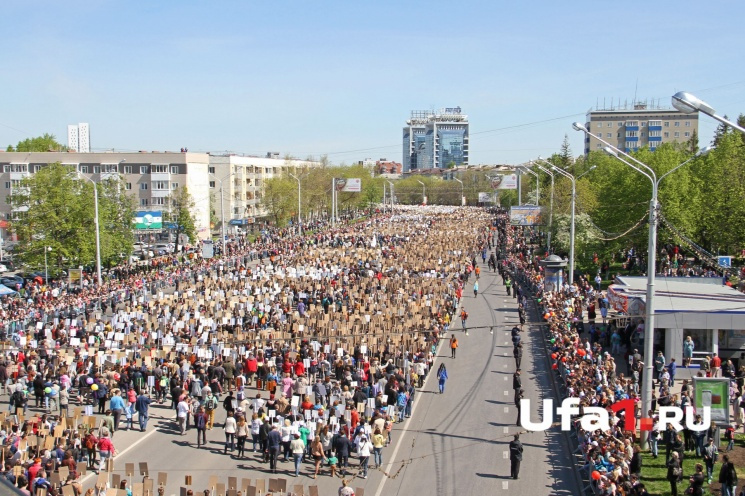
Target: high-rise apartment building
(435,139)
(78,138)
(637,126)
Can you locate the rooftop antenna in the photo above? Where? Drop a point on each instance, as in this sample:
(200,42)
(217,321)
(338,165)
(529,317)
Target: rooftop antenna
(636,88)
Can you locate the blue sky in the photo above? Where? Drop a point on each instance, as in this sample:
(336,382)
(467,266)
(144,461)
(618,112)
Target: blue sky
(308,78)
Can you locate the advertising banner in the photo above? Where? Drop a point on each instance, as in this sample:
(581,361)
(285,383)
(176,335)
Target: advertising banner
(526,216)
(148,220)
(351,185)
(714,393)
(486,197)
(504,181)
(75,277)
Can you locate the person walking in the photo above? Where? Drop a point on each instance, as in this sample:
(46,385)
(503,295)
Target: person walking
(364,448)
(711,453)
(508,284)
(105,449)
(200,422)
(142,405)
(659,365)
(728,477)
(116,404)
(316,451)
(378,441)
(297,446)
(230,428)
(442,377)
(519,395)
(517,381)
(516,456)
(696,481)
(182,414)
(274,443)
(671,368)
(688,347)
(674,473)
(241,433)
(476,289)
(464,319)
(453,345)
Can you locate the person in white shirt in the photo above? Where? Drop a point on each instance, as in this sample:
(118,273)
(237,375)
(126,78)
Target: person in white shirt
(364,448)
(230,428)
(182,414)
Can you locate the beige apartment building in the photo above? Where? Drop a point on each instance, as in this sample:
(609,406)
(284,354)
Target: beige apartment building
(239,181)
(629,129)
(150,177)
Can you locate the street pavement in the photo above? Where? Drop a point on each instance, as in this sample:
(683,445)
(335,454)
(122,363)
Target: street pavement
(455,443)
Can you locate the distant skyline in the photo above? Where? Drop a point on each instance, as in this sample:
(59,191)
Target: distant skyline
(340,78)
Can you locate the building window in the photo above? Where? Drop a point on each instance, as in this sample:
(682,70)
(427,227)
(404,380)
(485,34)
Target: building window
(600,124)
(211,170)
(84,169)
(667,135)
(599,145)
(37,168)
(6,168)
(644,123)
(143,202)
(632,144)
(610,124)
(174,185)
(655,123)
(677,134)
(160,185)
(143,186)
(618,135)
(159,201)
(632,134)
(7,184)
(642,135)
(654,133)
(159,169)
(620,124)
(96,169)
(111,168)
(128,169)
(174,169)
(667,124)
(632,123)
(128,186)
(688,123)
(212,184)
(687,134)
(143,169)
(600,135)
(677,124)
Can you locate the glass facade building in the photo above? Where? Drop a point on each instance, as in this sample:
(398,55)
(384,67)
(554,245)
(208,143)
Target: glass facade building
(435,140)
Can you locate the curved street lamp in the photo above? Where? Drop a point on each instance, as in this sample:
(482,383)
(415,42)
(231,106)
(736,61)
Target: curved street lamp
(551,211)
(424,192)
(461,190)
(688,104)
(651,258)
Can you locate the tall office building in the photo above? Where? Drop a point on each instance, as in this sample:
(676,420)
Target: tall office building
(632,127)
(78,138)
(435,139)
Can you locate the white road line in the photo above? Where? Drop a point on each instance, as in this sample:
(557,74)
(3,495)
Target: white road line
(506,409)
(506,393)
(505,454)
(505,484)
(505,366)
(505,353)
(505,378)
(506,430)
(152,431)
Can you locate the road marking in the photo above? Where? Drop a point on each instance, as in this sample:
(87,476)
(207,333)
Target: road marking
(506,409)
(400,437)
(505,366)
(505,378)
(153,430)
(506,342)
(506,393)
(506,430)
(505,484)
(505,353)
(505,454)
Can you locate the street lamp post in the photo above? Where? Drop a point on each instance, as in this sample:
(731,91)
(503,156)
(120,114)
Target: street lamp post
(391,193)
(651,261)
(537,184)
(551,208)
(299,217)
(574,201)
(461,190)
(688,104)
(222,211)
(98,227)
(424,192)
(46,267)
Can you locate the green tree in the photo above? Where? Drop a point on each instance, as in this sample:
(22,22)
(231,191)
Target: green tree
(54,209)
(279,197)
(565,154)
(44,143)
(182,206)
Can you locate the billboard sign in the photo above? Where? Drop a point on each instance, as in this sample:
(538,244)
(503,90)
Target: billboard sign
(526,216)
(714,393)
(504,181)
(75,277)
(148,220)
(351,185)
(208,249)
(486,197)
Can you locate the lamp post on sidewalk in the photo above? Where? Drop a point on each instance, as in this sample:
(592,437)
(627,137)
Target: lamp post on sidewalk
(461,190)
(98,228)
(424,192)
(299,216)
(46,267)
(537,183)
(551,209)
(222,211)
(688,104)
(649,315)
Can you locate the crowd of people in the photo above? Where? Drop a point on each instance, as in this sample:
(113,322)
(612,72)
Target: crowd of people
(310,353)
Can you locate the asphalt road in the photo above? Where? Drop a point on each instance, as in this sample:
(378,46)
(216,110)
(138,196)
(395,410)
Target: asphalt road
(455,443)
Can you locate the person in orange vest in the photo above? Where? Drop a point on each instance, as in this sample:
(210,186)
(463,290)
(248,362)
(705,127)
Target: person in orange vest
(453,345)
(478,272)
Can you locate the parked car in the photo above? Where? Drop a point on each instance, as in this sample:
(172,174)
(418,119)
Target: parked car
(8,264)
(11,281)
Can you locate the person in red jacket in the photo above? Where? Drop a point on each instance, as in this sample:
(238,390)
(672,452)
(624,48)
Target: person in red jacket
(252,366)
(299,368)
(33,470)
